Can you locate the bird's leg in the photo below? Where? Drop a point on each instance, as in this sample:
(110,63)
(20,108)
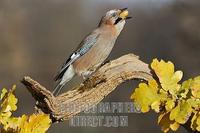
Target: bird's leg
(58,88)
(87,74)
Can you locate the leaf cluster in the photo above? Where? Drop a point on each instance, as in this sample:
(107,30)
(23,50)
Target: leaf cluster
(177,103)
(35,123)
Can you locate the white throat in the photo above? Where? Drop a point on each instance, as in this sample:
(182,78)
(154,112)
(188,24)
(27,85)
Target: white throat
(119,26)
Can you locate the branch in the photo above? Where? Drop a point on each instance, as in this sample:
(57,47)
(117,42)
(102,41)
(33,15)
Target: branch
(90,92)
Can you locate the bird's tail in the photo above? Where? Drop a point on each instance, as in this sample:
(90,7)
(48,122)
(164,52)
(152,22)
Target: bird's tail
(57,89)
(67,75)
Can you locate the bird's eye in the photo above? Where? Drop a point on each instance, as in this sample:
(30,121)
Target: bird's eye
(114,14)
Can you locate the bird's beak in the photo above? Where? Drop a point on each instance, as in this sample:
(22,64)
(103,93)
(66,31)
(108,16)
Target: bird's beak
(123,13)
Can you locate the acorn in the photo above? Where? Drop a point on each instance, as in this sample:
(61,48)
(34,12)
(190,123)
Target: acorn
(123,14)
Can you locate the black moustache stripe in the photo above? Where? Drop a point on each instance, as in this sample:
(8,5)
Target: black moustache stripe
(117,21)
(128,17)
(123,9)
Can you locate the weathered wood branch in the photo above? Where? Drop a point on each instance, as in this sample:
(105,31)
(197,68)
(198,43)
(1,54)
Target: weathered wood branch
(91,91)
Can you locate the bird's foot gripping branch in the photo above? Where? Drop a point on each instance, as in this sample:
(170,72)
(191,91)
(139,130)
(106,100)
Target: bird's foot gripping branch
(177,104)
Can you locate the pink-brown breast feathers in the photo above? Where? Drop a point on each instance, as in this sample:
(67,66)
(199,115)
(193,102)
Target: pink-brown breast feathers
(96,55)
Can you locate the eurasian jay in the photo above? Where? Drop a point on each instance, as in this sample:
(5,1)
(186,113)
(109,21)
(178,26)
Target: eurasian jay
(94,49)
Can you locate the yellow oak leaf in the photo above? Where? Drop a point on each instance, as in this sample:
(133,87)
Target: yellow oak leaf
(198,123)
(181,112)
(9,101)
(174,126)
(156,106)
(3,93)
(167,76)
(166,124)
(12,123)
(194,102)
(185,87)
(169,105)
(194,120)
(195,87)
(36,123)
(145,95)
(8,104)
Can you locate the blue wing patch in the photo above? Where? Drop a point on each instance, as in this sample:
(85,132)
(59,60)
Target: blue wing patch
(87,43)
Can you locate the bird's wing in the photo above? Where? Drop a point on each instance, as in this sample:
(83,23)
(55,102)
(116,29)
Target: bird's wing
(83,48)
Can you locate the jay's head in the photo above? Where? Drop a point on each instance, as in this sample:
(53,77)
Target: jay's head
(116,18)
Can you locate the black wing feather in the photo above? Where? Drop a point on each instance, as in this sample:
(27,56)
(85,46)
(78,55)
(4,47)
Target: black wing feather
(61,73)
(83,48)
